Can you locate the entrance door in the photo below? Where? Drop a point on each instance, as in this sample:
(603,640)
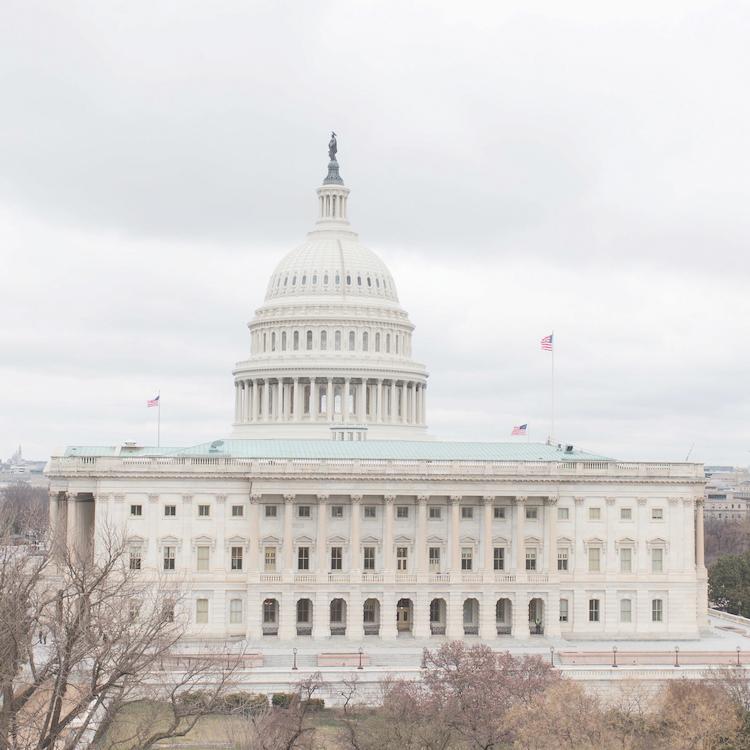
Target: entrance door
(403,615)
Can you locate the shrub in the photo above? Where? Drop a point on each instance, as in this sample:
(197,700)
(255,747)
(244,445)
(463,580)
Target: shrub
(282,700)
(247,704)
(315,704)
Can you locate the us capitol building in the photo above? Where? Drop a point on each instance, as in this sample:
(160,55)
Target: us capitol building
(331,512)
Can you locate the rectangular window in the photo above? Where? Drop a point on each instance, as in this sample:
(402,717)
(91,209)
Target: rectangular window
(595,514)
(135,558)
(498,558)
(170,510)
(235,611)
(303,558)
(626,560)
(368,558)
(626,610)
(434,557)
(337,558)
(368,612)
(530,559)
(499,512)
(467,558)
(337,511)
(435,513)
(657,560)
(370,511)
(204,511)
(562,559)
(657,610)
(657,514)
(563,610)
(401,558)
(402,511)
(236,558)
(563,514)
(593,610)
(270,559)
(595,560)
(203,557)
(532,513)
(467,512)
(201,611)
(136,510)
(304,607)
(337,610)
(271,511)
(169,558)
(269,612)
(303,511)
(238,511)
(626,514)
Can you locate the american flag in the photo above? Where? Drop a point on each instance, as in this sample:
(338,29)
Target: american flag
(546,343)
(152,402)
(519,429)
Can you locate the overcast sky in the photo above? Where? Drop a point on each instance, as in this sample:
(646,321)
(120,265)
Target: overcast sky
(521,167)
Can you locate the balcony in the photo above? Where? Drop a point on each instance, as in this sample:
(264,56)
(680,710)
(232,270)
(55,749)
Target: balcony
(471,577)
(372,578)
(505,577)
(440,578)
(270,577)
(406,578)
(304,577)
(537,577)
(338,577)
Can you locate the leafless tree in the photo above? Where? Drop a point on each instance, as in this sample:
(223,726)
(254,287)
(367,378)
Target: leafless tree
(80,637)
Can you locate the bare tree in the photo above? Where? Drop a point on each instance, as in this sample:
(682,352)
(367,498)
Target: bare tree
(82,636)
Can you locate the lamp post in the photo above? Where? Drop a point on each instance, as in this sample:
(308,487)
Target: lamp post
(294,662)
(359,651)
(552,656)
(677,656)
(614,656)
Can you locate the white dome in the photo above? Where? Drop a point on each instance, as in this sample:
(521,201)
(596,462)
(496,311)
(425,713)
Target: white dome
(331,263)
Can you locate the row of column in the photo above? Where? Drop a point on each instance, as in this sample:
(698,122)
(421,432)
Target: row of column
(353,400)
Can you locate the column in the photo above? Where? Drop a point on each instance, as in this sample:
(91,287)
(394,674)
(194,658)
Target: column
(422,614)
(417,398)
(72,529)
(287,543)
(362,410)
(313,399)
(388,501)
(388,629)
(329,400)
(454,623)
(488,563)
(392,411)
(269,400)
(454,539)
(287,616)
(345,401)
(354,618)
(238,393)
(279,399)
(520,504)
(320,614)
(355,563)
(53,521)
(378,413)
(699,535)
(404,409)
(424,403)
(421,541)
(700,568)
(253,544)
(297,401)
(254,416)
(321,542)
(487,625)
(550,541)
(520,617)
(413,403)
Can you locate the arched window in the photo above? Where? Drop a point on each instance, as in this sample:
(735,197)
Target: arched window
(388,343)
(365,341)
(315,279)
(294,280)
(398,338)
(265,344)
(286,280)
(337,341)
(304,279)
(309,337)
(325,279)
(377,342)
(273,341)
(283,341)
(348,279)
(369,281)
(295,345)
(338,279)
(324,340)
(359,281)
(351,341)
(377,282)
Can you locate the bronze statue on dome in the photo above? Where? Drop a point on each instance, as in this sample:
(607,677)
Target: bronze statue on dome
(332,148)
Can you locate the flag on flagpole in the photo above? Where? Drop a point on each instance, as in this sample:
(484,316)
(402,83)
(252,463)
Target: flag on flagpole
(546,343)
(519,429)
(152,402)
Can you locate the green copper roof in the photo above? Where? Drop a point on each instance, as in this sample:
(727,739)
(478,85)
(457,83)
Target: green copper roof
(433,450)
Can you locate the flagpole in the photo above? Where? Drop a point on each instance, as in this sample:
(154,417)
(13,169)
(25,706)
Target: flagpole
(158,420)
(554,345)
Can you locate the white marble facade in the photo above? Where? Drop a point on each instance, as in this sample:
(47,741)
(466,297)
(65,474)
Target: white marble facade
(331,511)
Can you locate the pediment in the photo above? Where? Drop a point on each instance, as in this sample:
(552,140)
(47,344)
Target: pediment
(594,541)
(468,539)
(135,539)
(402,539)
(434,539)
(565,541)
(235,541)
(369,539)
(625,541)
(337,539)
(270,540)
(532,540)
(303,539)
(500,541)
(657,542)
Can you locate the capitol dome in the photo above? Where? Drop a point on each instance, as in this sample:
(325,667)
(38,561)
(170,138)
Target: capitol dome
(330,348)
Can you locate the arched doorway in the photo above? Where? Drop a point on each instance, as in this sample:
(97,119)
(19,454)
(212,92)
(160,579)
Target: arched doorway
(338,617)
(304,616)
(270,617)
(371,616)
(536,616)
(438,614)
(471,617)
(503,616)
(404,616)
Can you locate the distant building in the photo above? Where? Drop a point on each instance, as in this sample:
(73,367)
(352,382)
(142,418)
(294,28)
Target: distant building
(727,493)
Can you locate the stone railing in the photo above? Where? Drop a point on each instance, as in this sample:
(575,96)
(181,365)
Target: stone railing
(201,465)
